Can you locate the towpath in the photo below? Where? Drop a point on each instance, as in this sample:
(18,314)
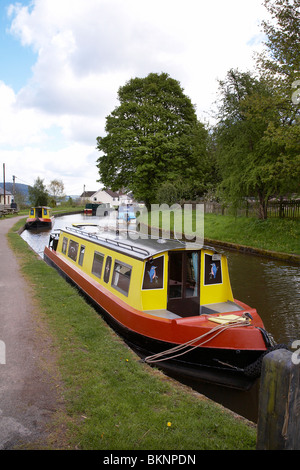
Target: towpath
(29,384)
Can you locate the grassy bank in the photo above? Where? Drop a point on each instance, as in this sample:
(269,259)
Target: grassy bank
(280,235)
(112,400)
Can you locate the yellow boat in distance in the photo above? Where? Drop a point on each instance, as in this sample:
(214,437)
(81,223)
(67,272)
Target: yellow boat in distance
(171,301)
(39,217)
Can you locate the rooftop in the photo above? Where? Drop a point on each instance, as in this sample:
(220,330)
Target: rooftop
(140,248)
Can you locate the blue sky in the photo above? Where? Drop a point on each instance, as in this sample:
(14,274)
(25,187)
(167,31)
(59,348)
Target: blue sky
(63,61)
(15,60)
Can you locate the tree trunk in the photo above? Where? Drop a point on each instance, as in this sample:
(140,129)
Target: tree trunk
(263,206)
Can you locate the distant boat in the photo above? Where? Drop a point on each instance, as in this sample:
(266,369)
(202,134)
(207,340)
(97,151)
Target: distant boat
(126,213)
(39,217)
(167,302)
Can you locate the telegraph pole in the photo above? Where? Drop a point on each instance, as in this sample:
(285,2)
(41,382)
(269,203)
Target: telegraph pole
(4,181)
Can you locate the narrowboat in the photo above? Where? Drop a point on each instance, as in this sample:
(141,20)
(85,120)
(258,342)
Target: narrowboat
(39,217)
(171,302)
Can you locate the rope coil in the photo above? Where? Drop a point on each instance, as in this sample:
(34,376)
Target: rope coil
(190,345)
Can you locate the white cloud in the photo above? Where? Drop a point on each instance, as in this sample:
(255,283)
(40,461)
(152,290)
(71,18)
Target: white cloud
(87,49)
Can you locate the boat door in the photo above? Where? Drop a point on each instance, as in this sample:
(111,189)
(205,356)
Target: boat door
(184,283)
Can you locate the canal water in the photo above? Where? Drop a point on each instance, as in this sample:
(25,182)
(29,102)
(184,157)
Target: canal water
(270,286)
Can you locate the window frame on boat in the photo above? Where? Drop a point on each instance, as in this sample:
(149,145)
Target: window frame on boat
(122,276)
(107,269)
(154,280)
(73,250)
(64,246)
(209,278)
(95,270)
(81,255)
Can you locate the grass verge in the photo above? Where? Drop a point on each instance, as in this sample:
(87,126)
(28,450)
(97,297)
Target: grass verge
(112,400)
(279,235)
(273,234)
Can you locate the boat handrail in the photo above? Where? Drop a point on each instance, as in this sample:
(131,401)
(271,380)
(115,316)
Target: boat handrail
(118,243)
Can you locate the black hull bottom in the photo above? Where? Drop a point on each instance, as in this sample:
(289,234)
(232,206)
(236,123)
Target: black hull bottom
(36,225)
(221,367)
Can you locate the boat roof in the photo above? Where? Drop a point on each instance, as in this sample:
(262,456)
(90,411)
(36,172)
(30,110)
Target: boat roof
(140,248)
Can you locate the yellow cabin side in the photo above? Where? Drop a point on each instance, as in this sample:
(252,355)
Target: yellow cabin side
(118,273)
(212,292)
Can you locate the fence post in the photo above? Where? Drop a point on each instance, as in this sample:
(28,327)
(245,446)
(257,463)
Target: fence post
(278,426)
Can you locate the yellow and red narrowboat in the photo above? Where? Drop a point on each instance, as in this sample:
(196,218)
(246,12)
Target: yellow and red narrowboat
(39,217)
(172,302)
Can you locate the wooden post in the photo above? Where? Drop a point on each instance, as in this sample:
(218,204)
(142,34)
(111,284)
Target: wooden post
(278,426)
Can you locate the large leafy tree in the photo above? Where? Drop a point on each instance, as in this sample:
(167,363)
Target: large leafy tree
(150,137)
(258,132)
(280,65)
(281,57)
(248,164)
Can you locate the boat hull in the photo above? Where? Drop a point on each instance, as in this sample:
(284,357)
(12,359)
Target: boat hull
(222,362)
(38,223)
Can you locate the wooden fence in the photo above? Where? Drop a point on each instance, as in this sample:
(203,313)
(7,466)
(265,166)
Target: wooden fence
(282,209)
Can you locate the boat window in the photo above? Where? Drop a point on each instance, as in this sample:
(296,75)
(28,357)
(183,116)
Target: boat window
(45,211)
(97,264)
(81,255)
(191,282)
(154,274)
(107,269)
(64,245)
(32,212)
(73,250)
(212,269)
(175,276)
(121,277)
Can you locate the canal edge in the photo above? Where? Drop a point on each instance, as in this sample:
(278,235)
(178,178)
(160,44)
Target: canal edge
(255,251)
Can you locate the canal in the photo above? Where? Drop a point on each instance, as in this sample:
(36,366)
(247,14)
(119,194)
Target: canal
(270,286)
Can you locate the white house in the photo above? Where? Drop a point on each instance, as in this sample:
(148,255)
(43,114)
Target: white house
(8,197)
(107,196)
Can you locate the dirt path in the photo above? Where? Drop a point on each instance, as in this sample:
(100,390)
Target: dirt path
(29,385)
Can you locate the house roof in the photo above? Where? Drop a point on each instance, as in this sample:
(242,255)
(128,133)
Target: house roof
(88,193)
(104,190)
(6,192)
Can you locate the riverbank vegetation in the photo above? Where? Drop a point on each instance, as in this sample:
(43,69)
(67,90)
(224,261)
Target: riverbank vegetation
(111,399)
(278,235)
(273,234)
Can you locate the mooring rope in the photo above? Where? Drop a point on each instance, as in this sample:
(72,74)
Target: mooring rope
(177,351)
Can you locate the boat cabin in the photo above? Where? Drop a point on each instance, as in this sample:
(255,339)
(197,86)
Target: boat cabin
(40,212)
(159,277)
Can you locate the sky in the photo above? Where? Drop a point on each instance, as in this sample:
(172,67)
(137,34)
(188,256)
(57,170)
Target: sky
(63,61)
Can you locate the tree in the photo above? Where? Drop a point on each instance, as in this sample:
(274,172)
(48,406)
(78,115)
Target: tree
(38,195)
(258,132)
(250,162)
(56,189)
(150,137)
(282,55)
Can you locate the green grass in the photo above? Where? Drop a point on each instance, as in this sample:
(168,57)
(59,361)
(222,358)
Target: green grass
(274,234)
(112,400)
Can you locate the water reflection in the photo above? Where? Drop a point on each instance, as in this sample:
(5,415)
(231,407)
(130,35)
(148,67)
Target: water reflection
(270,286)
(273,288)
